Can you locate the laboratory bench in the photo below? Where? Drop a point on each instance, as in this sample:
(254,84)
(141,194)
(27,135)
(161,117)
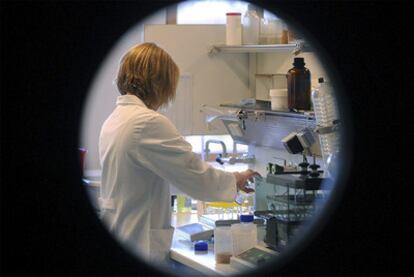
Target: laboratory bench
(182,250)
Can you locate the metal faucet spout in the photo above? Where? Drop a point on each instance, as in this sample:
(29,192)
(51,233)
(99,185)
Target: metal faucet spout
(207,150)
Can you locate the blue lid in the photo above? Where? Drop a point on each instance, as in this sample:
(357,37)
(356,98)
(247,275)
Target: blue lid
(246,218)
(201,246)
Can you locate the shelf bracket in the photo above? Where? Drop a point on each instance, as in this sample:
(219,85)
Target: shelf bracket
(213,51)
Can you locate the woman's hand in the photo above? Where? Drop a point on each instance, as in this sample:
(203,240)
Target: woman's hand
(242,177)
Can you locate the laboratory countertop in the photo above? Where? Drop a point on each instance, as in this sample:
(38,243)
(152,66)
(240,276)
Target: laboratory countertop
(183,252)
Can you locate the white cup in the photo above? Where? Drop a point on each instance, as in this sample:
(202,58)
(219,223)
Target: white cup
(279,99)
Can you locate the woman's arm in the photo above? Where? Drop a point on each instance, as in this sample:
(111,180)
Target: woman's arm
(164,151)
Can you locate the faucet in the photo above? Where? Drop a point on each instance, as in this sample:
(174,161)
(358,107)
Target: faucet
(207,150)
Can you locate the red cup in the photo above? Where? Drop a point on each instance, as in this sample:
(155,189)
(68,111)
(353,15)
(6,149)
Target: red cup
(82,152)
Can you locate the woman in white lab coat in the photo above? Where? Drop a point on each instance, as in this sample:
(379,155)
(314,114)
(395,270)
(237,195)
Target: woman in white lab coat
(141,153)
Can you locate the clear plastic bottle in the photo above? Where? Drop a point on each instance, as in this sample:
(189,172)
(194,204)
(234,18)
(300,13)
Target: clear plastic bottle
(244,234)
(245,200)
(223,245)
(251,26)
(326,113)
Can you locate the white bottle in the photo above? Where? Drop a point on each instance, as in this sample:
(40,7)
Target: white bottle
(223,245)
(251,26)
(233,29)
(244,234)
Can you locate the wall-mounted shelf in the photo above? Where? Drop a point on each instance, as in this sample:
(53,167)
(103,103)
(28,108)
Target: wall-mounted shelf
(260,126)
(295,48)
(298,115)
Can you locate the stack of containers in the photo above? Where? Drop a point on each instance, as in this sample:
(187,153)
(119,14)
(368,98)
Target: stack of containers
(326,113)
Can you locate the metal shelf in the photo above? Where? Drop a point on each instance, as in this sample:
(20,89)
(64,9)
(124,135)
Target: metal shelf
(295,48)
(297,115)
(300,200)
(253,48)
(293,182)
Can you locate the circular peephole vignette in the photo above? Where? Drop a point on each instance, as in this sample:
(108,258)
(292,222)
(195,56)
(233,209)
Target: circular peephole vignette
(320,219)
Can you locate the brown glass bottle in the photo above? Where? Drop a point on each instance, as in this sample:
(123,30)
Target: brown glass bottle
(299,86)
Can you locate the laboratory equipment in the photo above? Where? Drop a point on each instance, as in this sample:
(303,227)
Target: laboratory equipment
(266,129)
(217,220)
(195,231)
(298,142)
(286,199)
(252,258)
(227,210)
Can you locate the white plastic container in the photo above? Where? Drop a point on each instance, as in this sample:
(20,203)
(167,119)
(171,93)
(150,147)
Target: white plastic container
(251,26)
(279,99)
(244,234)
(223,245)
(233,29)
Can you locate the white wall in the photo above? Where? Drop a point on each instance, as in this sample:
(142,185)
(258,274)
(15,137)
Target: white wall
(215,80)
(280,63)
(103,92)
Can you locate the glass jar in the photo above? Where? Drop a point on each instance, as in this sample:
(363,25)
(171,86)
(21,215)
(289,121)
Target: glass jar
(251,26)
(270,31)
(299,86)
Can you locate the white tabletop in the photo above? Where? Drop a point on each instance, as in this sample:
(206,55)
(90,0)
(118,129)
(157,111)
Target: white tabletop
(183,251)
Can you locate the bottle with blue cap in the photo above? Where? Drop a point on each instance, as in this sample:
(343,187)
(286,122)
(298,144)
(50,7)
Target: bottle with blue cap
(244,234)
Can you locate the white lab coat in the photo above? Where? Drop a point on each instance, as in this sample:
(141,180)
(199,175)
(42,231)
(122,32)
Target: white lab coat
(141,153)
